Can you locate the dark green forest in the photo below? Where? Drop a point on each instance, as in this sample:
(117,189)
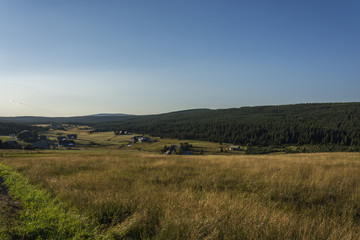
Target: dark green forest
(330,124)
(299,124)
(7,128)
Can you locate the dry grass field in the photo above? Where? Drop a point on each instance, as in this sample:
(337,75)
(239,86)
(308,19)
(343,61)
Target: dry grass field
(140,195)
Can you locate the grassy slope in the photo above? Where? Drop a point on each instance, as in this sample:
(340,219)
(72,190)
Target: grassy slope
(143,195)
(139,194)
(41,216)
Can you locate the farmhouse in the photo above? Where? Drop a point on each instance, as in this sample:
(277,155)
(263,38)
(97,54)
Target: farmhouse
(72,136)
(141,139)
(144,139)
(135,139)
(61,138)
(66,143)
(171,149)
(121,132)
(234,148)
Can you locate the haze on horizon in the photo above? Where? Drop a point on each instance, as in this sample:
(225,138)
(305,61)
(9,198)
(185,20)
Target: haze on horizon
(71,58)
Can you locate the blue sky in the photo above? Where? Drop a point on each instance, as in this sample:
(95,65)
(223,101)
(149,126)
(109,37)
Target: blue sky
(64,58)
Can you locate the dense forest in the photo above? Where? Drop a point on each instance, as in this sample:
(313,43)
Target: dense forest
(7,128)
(300,124)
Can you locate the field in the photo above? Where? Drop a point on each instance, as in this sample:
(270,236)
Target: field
(141,195)
(110,141)
(105,189)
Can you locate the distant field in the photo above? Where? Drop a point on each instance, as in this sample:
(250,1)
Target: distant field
(5,138)
(136,194)
(110,141)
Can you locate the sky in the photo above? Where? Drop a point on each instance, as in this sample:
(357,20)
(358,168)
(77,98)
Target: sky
(71,58)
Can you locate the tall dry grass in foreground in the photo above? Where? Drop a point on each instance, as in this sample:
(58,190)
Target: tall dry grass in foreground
(141,195)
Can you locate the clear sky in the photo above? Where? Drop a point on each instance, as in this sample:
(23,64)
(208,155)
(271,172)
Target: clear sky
(64,58)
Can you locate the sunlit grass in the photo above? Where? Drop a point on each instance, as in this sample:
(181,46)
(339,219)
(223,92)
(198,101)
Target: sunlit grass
(138,194)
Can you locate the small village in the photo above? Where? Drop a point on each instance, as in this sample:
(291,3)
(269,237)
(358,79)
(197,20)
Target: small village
(66,137)
(34,141)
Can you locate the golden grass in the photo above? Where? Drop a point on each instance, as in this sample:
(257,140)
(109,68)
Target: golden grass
(135,194)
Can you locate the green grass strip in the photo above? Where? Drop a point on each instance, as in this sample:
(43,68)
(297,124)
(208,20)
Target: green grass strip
(44,217)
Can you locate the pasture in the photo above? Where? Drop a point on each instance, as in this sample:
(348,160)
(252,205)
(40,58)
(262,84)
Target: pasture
(142,195)
(88,140)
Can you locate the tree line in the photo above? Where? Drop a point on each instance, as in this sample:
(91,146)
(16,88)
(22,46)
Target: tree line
(7,128)
(330,123)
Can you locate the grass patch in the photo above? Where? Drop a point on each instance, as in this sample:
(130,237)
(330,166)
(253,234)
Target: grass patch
(142,195)
(42,217)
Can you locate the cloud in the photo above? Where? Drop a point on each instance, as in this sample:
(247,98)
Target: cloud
(16,102)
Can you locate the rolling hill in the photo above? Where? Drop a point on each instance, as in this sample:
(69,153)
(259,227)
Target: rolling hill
(299,124)
(89,119)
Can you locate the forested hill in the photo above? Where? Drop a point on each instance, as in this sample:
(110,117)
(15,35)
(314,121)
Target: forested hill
(329,123)
(7,128)
(90,119)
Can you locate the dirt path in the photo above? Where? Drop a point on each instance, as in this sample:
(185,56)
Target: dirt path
(5,199)
(9,213)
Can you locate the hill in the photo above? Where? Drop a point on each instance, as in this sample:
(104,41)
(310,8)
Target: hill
(299,124)
(89,119)
(7,128)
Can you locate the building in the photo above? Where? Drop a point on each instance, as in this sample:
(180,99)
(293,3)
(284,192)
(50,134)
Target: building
(170,149)
(144,139)
(234,148)
(121,132)
(135,139)
(66,143)
(61,138)
(72,136)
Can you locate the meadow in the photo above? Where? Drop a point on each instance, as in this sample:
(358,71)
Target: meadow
(109,141)
(142,195)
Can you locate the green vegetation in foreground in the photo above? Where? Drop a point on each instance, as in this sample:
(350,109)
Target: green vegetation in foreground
(41,216)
